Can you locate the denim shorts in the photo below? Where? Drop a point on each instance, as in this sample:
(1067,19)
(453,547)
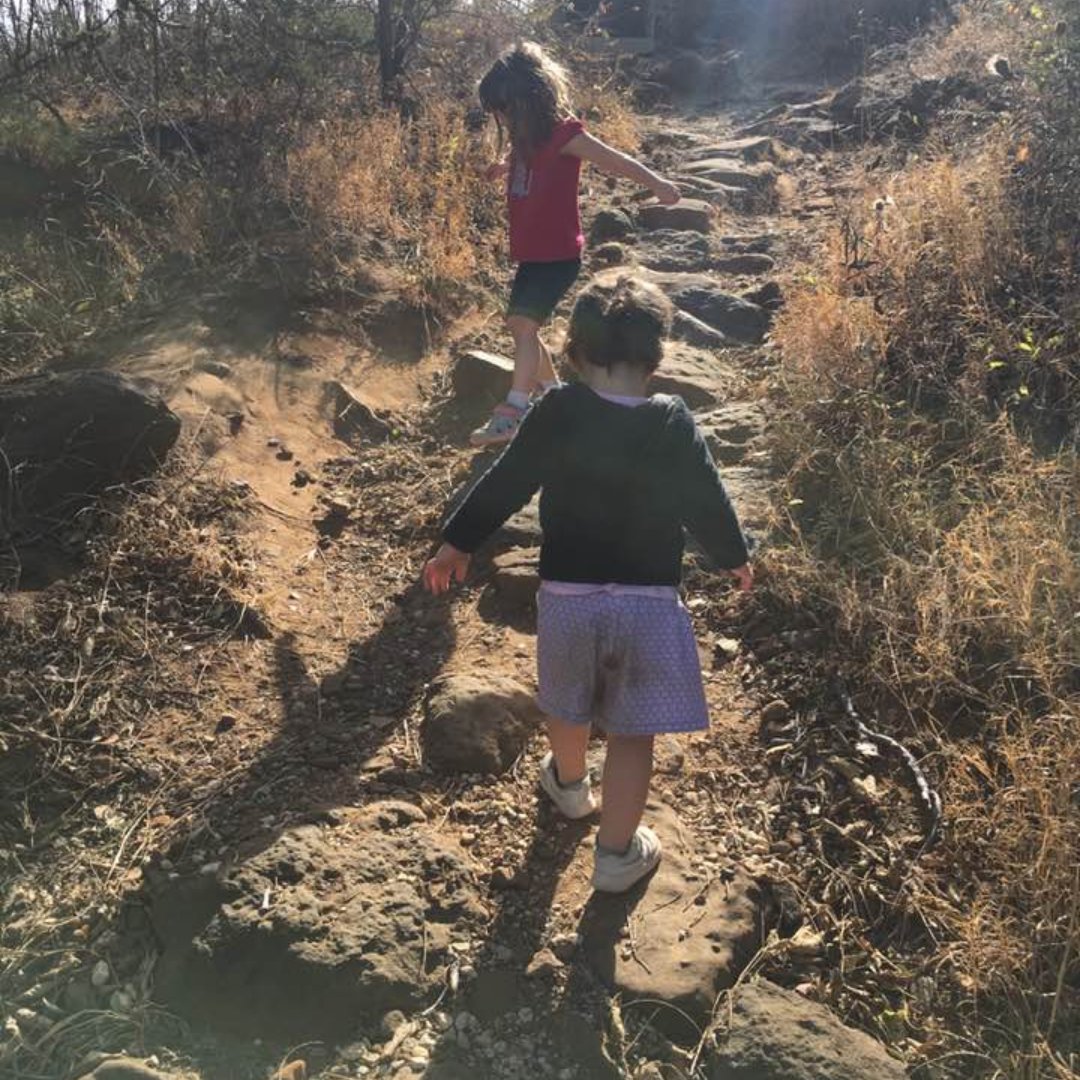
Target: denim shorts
(627,663)
(539,286)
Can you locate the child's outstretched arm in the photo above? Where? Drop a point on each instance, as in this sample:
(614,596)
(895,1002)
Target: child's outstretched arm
(615,163)
(503,490)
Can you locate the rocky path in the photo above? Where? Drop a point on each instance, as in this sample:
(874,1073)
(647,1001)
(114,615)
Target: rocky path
(365,880)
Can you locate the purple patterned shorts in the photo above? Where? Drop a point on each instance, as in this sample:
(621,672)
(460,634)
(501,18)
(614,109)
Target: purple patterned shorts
(628,663)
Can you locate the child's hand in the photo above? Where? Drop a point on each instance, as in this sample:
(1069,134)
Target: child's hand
(447,565)
(744,577)
(497,171)
(667,193)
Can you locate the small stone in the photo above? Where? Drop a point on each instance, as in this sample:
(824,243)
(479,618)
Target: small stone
(565,945)
(101,974)
(776,712)
(217,368)
(543,963)
(391,1022)
(295,1070)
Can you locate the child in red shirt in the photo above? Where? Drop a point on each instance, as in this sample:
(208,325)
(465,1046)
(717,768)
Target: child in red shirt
(527,93)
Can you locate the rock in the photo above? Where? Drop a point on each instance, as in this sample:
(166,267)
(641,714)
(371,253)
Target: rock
(730,315)
(316,932)
(760,244)
(729,430)
(744,263)
(808,132)
(776,1034)
(65,437)
(666,249)
(769,296)
(610,225)
(354,419)
(732,172)
(609,254)
(776,712)
(523,529)
(544,963)
(871,108)
(390,1023)
(295,1070)
(690,329)
(123,1068)
(477,725)
(751,148)
(649,1071)
(691,214)
(517,576)
(698,376)
(212,366)
(482,375)
(688,940)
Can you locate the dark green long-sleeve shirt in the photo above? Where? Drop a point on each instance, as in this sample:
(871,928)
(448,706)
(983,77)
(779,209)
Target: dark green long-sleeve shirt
(617,484)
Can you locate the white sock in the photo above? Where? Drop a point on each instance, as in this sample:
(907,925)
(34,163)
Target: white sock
(518,398)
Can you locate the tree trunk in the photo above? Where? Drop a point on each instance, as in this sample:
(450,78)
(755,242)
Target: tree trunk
(389,62)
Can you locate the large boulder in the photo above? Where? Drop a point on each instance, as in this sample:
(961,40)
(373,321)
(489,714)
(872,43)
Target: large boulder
(776,1034)
(65,437)
(477,724)
(735,317)
(329,927)
(686,942)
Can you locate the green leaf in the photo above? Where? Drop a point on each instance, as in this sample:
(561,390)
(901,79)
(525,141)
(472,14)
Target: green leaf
(993,365)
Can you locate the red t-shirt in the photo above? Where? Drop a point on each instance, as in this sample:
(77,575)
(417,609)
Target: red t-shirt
(542,193)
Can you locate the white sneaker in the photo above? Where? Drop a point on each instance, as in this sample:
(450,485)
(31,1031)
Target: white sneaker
(616,873)
(572,800)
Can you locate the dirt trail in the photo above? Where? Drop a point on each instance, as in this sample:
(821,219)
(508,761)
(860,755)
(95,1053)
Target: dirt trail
(326,711)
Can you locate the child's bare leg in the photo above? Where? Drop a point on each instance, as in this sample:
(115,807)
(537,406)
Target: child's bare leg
(568,743)
(546,375)
(627,773)
(528,357)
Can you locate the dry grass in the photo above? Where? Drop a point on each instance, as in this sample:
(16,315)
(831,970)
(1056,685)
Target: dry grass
(933,518)
(417,184)
(88,668)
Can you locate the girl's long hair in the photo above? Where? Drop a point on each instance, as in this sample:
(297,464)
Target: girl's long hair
(532,91)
